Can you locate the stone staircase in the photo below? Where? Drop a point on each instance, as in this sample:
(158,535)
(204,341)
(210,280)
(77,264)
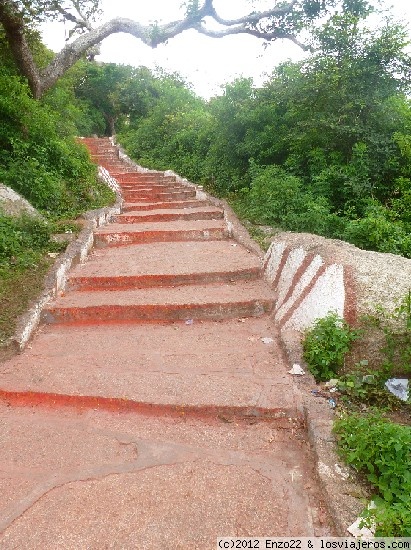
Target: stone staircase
(162,342)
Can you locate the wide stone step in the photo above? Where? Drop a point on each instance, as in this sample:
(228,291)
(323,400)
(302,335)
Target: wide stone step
(136,177)
(151,186)
(201,213)
(205,366)
(148,189)
(193,230)
(213,301)
(147,265)
(106,480)
(131,206)
(150,196)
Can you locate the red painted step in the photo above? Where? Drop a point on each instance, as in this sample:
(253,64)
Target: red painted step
(149,196)
(131,206)
(151,186)
(129,177)
(178,263)
(212,301)
(222,367)
(120,234)
(201,213)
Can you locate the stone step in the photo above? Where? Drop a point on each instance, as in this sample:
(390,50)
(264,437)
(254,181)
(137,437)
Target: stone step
(99,479)
(151,186)
(107,159)
(213,301)
(150,196)
(206,366)
(131,206)
(130,177)
(178,263)
(112,167)
(120,234)
(201,213)
(105,152)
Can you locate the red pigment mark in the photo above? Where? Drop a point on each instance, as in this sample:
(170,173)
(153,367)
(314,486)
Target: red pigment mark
(285,418)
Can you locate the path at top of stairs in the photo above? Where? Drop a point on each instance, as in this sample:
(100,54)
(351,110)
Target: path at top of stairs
(153,408)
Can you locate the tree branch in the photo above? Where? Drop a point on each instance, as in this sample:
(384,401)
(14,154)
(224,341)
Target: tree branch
(73,19)
(252,17)
(244,29)
(151,35)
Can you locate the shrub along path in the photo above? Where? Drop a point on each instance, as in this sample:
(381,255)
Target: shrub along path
(153,408)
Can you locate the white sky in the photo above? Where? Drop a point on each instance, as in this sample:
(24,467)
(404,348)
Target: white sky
(206,62)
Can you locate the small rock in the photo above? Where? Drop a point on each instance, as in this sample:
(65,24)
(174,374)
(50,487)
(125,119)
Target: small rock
(14,204)
(364,532)
(297,370)
(398,387)
(267,340)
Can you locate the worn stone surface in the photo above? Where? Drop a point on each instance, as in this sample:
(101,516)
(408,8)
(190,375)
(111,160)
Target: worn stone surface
(205,365)
(154,264)
(104,480)
(132,433)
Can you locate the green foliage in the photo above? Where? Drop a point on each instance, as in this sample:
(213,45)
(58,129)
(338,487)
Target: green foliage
(378,231)
(39,159)
(326,344)
(365,387)
(380,450)
(276,197)
(98,88)
(324,146)
(21,240)
(168,125)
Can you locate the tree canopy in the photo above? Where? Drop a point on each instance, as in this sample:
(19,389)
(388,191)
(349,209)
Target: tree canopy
(284,20)
(323,146)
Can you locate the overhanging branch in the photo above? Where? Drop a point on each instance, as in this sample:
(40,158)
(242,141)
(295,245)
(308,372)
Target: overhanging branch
(40,81)
(253,17)
(276,34)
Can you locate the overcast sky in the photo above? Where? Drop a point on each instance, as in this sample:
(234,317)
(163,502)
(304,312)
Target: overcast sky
(205,62)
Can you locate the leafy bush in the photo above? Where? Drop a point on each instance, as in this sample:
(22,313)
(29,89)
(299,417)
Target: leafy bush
(40,160)
(21,239)
(277,198)
(326,344)
(377,231)
(380,450)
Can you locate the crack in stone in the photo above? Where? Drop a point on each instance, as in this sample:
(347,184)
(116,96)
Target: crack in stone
(53,482)
(150,454)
